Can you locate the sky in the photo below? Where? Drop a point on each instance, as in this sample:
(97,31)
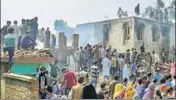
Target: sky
(73,11)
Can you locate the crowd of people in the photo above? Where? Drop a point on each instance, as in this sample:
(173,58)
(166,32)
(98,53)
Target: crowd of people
(24,36)
(158,14)
(103,73)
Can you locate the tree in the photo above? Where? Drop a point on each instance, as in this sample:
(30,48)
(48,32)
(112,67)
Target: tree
(60,25)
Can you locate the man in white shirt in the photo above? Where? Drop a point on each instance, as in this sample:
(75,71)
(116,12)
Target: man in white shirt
(106,63)
(16,31)
(155,57)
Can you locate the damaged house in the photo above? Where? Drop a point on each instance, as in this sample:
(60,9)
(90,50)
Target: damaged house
(127,33)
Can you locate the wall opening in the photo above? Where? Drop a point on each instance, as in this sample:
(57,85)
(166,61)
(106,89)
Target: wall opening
(140,31)
(155,33)
(126,32)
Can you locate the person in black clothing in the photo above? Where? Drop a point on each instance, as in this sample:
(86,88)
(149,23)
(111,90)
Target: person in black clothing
(142,48)
(42,82)
(88,92)
(137,10)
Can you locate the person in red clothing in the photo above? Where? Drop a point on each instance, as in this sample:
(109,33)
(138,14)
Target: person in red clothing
(69,80)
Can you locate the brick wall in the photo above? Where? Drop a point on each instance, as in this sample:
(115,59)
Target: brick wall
(20,87)
(75,41)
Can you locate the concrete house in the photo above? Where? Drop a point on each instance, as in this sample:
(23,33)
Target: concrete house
(127,33)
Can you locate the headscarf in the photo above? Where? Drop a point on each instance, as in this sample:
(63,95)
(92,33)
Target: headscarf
(88,92)
(150,91)
(163,88)
(129,91)
(118,88)
(173,67)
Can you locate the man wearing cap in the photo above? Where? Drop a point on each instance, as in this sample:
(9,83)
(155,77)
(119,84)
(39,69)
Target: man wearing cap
(26,41)
(9,44)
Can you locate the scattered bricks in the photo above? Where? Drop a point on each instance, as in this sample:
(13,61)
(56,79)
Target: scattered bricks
(20,87)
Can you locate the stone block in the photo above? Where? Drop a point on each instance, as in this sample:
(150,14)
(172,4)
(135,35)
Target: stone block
(62,40)
(75,41)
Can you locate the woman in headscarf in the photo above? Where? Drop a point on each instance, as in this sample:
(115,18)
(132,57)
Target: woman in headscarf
(118,89)
(88,92)
(150,91)
(173,67)
(129,91)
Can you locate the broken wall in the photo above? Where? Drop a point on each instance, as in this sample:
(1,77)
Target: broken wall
(20,87)
(156,35)
(118,38)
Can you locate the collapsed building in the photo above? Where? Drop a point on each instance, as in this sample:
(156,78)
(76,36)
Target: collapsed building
(127,33)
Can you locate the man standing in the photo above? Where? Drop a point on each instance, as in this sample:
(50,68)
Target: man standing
(163,56)
(113,69)
(112,87)
(94,73)
(121,65)
(166,16)
(120,12)
(16,31)
(69,79)
(34,27)
(77,90)
(127,56)
(47,38)
(77,59)
(155,57)
(106,67)
(53,42)
(137,10)
(86,55)
(23,30)
(41,34)
(142,48)
(4,30)
(9,44)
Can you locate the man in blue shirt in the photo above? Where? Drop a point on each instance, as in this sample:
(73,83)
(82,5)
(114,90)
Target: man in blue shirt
(27,42)
(157,75)
(168,80)
(34,27)
(9,44)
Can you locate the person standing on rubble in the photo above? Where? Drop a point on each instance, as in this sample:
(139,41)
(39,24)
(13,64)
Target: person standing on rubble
(47,38)
(34,27)
(16,31)
(120,12)
(166,16)
(9,45)
(53,42)
(137,10)
(142,48)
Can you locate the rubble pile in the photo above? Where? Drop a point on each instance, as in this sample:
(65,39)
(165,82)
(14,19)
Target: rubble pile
(28,54)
